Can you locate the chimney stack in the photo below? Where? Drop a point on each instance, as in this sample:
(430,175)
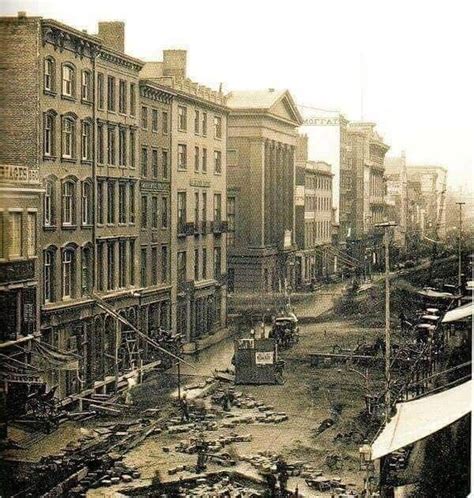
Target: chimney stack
(112,34)
(174,63)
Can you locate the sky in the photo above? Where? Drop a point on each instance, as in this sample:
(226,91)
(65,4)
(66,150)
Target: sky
(413,58)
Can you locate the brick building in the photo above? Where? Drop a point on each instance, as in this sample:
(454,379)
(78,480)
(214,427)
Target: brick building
(198,193)
(260,189)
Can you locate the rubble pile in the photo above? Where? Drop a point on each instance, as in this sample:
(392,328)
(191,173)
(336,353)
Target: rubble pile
(224,486)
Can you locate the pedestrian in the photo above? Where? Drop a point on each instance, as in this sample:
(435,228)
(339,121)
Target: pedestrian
(282,470)
(271,483)
(184,408)
(225,402)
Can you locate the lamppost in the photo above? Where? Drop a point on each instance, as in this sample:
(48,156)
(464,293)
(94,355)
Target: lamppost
(460,204)
(386,226)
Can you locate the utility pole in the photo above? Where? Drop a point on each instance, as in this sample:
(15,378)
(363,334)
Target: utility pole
(386,227)
(460,204)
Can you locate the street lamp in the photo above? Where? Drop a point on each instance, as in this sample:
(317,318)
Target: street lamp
(386,226)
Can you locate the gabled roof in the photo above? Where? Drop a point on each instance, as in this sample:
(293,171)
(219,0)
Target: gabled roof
(277,102)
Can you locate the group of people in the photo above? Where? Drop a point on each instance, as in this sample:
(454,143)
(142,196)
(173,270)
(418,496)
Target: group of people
(278,476)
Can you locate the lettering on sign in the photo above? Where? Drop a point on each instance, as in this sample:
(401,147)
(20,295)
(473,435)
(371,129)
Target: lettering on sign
(14,173)
(264,358)
(153,186)
(321,122)
(199,183)
(299,195)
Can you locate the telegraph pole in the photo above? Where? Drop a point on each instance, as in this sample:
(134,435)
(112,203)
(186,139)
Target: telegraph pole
(460,204)
(386,227)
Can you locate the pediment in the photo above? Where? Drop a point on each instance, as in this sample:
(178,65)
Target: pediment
(286,108)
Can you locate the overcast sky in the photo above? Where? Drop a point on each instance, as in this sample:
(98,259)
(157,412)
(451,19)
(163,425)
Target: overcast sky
(416,58)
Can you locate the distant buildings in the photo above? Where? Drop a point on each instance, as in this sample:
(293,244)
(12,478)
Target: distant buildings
(396,198)
(262,135)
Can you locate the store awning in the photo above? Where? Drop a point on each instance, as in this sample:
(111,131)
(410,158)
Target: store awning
(415,420)
(436,294)
(459,313)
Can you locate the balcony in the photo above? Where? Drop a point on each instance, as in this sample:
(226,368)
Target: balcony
(185,229)
(219,227)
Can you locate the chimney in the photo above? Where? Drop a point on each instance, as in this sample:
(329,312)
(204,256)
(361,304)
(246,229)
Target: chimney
(302,148)
(112,34)
(21,14)
(174,63)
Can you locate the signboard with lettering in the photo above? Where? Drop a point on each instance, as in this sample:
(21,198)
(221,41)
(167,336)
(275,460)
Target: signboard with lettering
(199,183)
(321,121)
(287,239)
(14,173)
(299,195)
(264,358)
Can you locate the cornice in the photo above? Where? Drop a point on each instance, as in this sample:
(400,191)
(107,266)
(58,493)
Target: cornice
(151,92)
(63,38)
(119,59)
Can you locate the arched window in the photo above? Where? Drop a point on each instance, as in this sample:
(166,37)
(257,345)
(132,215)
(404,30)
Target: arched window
(68,203)
(48,276)
(48,137)
(86,203)
(68,137)
(86,86)
(68,81)
(68,273)
(86,273)
(48,207)
(49,74)
(86,141)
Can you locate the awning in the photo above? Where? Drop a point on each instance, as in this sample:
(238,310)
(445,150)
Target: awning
(436,294)
(434,318)
(460,313)
(415,420)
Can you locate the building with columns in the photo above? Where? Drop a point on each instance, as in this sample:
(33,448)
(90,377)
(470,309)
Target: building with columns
(262,133)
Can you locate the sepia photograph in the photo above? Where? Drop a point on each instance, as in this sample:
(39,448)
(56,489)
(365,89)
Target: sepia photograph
(236,249)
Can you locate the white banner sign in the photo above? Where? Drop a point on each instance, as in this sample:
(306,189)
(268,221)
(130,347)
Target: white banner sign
(264,358)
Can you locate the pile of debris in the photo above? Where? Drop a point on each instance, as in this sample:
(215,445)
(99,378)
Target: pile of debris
(224,487)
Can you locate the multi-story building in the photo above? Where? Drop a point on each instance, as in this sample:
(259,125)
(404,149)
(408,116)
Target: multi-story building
(261,188)
(433,181)
(367,151)
(314,218)
(198,191)
(396,198)
(155,206)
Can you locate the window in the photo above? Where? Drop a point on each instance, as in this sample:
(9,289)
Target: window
(16,231)
(31,235)
(111,93)
(181,212)
(230,221)
(133,101)
(217,262)
(122,146)
(86,86)
(144,211)
(68,203)
(164,163)
(197,122)
(217,162)
(68,81)
(217,208)
(204,124)
(182,156)
(100,90)
(154,265)
(164,212)
(182,118)
(164,263)
(48,206)
(68,138)
(204,207)
(181,267)
(49,74)
(122,264)
(86,273)
(110,265)
(196,264)
(122,97)
(100,265)
(196,159)
(67,270)
(100,202)
(143,267)
(204,160)
(144,161)
(217,127)
(111,203)
(131,263)
(86,141)
(86,203)
(144,117)
(154,120)
(164,119)
(154,162)
(111,145)
(196,209)
(48,139)
(204,263)
(131,207)
(132,148)
(100,143)
(122,203)
(48,276)
(154,212)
